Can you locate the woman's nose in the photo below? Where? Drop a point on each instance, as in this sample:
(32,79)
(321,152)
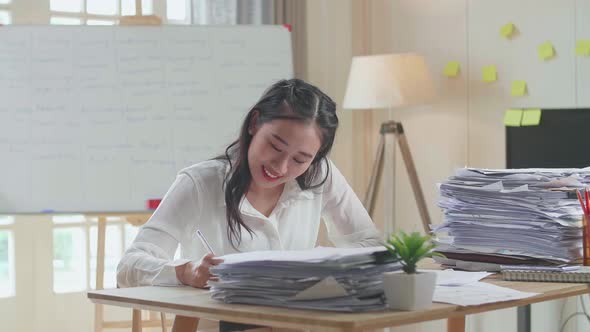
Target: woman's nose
(280,165)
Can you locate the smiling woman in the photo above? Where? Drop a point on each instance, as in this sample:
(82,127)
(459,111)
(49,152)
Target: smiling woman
(286,136)
(269,191)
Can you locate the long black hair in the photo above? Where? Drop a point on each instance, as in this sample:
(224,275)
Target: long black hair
(291,99)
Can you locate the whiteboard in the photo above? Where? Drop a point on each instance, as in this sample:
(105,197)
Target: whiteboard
(103,118)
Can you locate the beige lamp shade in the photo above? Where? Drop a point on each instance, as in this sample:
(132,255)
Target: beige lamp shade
(387,81)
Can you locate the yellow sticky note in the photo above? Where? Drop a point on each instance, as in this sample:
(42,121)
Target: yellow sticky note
(583,47)
(512,118)
(531,117)
(507,30)
(489,74)
(546,51)
(452,69)
(518,88)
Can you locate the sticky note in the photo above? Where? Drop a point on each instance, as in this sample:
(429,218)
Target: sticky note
(489,74)
(452,69)
(512,118)
(518,88)
(583,47)
(531,117)
(546,51)
(507,30)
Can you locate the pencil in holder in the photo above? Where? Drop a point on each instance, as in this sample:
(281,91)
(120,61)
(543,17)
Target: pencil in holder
(586,239)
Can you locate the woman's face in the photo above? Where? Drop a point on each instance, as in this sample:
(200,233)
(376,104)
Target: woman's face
(280,151)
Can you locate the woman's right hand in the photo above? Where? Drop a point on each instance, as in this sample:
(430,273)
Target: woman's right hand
(197,274)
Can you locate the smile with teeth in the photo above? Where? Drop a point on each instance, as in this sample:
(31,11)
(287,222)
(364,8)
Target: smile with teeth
(269,174)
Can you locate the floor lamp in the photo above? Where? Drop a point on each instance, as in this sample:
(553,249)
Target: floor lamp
(390,81)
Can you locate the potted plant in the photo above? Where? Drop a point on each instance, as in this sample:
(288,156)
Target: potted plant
(410,289)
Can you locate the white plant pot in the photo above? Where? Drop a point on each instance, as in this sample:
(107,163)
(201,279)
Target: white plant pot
(409,291)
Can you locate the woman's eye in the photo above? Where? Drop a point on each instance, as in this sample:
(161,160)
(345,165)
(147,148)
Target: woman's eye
(274,147)
(298,161)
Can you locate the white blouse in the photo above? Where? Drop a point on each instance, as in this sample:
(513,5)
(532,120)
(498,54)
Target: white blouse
(196,201)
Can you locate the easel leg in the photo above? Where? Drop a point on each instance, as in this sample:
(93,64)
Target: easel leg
(100,252)
(456,324)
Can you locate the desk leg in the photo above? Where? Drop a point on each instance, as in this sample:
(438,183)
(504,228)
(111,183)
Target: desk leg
(136,321)
(456,324)
(523,318)
(163,321)
(185,324)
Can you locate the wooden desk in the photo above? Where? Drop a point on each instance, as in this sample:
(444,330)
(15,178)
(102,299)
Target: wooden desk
(186,301)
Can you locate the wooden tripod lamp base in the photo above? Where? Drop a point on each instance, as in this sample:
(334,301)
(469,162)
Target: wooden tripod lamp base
(396,128)
(387,81)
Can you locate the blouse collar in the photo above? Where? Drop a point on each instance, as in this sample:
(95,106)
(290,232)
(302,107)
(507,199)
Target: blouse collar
(292,192)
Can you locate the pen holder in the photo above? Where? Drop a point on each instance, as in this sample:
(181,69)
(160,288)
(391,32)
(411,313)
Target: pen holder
(586,240)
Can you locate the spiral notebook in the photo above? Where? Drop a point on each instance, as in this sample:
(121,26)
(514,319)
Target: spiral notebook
(582,275)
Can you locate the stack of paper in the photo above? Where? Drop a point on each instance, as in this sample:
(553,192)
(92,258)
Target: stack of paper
(339,279)
(513,216)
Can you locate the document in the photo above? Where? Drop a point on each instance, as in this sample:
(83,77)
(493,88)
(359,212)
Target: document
(477,293)
(503,216)
(335,279)
(457,278)
(325,289)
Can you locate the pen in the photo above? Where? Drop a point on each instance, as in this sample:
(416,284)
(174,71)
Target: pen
(585,228)
(204,241)
(581,201)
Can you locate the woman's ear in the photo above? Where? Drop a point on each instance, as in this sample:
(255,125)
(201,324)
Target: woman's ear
(253,125)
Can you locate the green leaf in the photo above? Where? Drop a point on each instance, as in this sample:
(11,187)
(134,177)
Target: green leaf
(410,248)
(423,252)
(414,241)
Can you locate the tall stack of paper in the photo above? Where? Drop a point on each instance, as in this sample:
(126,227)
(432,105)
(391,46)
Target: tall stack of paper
(512,216)
(339,279)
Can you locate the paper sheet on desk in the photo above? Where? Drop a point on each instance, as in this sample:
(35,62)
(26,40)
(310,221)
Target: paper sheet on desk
(317,255)
(327,288)
(457,278)
(477,293)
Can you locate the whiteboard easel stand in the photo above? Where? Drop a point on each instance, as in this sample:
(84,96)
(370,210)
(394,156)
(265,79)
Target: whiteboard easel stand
(134,219)
(138,18)
(136,323)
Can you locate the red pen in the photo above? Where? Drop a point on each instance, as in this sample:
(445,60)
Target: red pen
(581,201)
(585,228)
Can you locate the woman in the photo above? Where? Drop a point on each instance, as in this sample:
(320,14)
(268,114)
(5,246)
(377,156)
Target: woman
(268,192)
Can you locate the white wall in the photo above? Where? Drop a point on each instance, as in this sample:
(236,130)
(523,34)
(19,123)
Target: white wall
(465,127)
(551,84)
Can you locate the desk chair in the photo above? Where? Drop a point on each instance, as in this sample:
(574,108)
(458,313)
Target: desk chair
(137,322)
